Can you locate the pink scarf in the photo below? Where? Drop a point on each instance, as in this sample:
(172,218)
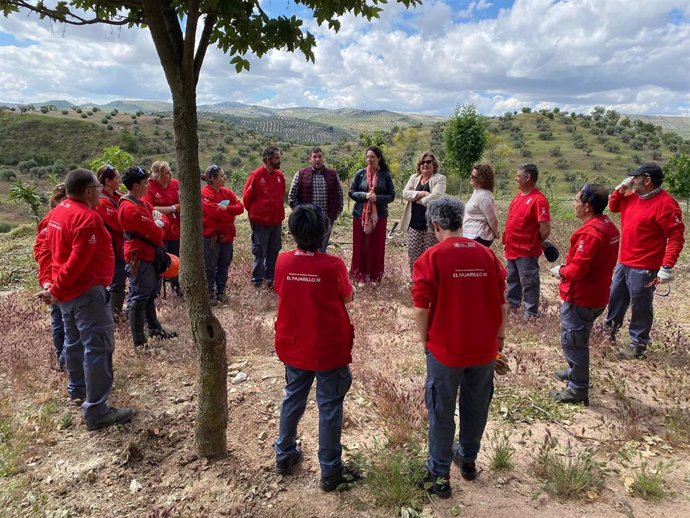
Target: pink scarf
(370,214)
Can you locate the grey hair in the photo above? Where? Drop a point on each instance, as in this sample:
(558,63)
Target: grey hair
(447,212)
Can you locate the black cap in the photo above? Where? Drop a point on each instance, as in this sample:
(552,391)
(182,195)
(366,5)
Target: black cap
(550,251)
(651,170)
(134,175)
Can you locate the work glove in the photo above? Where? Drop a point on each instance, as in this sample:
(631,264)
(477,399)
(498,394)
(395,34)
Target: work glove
(665,275)
(159,223)
(556,271)
(157,214)
(627,183)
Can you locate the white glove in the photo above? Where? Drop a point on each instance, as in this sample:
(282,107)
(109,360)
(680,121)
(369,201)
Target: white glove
(627,183)
(556,271)
(157,214)
(665,275)
(159,223)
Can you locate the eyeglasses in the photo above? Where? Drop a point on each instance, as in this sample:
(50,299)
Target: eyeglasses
(426,162)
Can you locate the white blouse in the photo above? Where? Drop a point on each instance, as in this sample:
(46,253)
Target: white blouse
(480,218)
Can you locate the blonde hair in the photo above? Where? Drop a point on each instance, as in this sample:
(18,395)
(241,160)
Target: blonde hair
(157,168)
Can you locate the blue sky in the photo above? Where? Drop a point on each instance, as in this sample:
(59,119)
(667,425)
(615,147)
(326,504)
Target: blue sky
(633,56)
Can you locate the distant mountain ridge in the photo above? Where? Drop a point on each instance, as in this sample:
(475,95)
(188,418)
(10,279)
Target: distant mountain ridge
(338,122)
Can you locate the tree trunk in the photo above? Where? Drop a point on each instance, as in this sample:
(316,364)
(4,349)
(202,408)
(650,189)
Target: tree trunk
(208,335)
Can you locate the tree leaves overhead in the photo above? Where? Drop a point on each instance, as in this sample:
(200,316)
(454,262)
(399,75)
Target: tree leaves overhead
(241,26)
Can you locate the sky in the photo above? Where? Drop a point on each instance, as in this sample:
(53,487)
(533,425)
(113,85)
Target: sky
(500,55)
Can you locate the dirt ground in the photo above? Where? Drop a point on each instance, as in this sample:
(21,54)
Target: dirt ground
(52,466)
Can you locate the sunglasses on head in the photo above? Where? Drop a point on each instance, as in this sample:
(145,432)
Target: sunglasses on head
(586,194)
(214,170)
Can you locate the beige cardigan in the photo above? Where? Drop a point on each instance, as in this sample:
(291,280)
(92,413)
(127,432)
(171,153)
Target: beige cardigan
(437,185)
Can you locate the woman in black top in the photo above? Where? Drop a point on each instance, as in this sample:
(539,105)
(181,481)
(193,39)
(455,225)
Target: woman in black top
(372,190)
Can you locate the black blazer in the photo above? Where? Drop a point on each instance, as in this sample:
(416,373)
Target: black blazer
(385,192)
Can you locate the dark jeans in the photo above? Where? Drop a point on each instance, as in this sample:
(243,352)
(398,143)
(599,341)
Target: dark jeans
(119,280)
(576,326)
(523,284)
(266,243)
(89,346)
(331,387)
(143,290)
(57,328)
(217,261)
(476,387)
(629,289)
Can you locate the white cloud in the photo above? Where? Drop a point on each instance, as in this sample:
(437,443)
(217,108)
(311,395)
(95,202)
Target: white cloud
(573,54)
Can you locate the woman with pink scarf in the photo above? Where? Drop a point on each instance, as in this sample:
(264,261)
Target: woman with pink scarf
(372,190)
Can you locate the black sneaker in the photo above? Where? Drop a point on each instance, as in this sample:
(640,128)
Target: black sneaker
(439,486)
(632,352)
(114,416)
(468,470)
(343,480)
(287,466)
(561,374)
(162,333)
(569,396)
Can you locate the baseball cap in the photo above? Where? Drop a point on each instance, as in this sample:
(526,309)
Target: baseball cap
(135,174)
(651,170)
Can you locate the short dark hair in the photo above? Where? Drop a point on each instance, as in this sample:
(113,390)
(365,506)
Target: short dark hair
(596,196)
(133,175)
(308,225)
(315,150)
(447,212)
(531,170)
(78,180)
(269,152)
(485,176)
(106,172)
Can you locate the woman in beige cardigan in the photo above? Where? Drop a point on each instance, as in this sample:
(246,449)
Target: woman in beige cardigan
(422,187)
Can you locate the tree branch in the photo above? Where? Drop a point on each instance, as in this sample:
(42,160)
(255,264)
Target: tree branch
(209,23)
(68,17)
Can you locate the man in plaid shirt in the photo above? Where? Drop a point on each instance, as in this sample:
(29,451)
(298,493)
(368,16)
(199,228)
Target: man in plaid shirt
(319,186)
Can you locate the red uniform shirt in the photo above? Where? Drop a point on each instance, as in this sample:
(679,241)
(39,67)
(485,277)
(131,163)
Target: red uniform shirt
(80,248)
(264,196)
(159,196)
(42,252)
(586,275)
(521,237)
(313,329)
(219,221)
(137,218)
(107,208)
(651,230)
(461,283)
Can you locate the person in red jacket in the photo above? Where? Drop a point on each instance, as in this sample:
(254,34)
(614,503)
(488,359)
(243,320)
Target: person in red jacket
(584,288)
(163,194)
(81,267)
(42,257)
(109,177)
(219,206)
(458,295)
(264,199)
(143,232)
(652,237)
(528,225)
(314,340)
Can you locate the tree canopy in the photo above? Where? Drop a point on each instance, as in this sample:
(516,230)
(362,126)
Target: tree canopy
(466,138)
